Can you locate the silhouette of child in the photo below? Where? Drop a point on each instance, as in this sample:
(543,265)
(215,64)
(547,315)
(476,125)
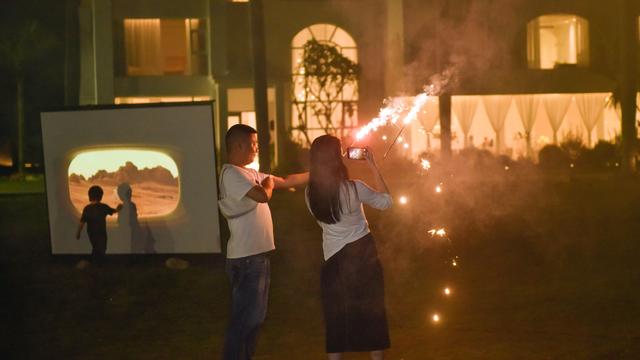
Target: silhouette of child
(128,219)
(94,215)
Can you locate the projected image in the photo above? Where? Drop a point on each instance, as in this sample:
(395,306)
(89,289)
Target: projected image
(144,180)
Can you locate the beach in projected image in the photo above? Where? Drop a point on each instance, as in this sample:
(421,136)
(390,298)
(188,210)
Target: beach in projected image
(151,176)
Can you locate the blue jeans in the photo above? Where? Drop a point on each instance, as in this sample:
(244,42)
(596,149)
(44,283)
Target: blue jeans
(249,278)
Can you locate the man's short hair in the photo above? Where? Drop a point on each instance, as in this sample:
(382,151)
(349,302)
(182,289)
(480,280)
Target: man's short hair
(238,132)
(95,193)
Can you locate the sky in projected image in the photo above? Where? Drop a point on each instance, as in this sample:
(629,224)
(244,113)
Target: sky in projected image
(152,175)
(88,163)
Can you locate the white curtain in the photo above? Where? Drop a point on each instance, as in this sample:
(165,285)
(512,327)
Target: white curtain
(497,107)
(143,46)
(556,106)
(527,106)
(591,107)
(465,109)
(188,70)
(428,117)
(429,114)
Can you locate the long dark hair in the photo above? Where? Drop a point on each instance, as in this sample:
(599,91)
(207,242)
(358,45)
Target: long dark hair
(326,176)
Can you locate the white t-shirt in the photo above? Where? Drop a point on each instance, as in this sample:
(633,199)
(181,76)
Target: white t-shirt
(249,221)
(353,224)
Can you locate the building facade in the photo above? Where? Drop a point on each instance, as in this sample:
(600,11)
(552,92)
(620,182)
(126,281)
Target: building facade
(571,55)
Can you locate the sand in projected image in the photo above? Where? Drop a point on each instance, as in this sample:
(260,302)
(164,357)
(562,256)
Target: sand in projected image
(152,175)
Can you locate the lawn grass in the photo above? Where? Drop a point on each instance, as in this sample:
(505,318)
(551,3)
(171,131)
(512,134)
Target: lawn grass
(32,184)
(548,270)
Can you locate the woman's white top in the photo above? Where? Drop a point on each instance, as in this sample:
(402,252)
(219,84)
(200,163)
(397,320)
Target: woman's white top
(353,224)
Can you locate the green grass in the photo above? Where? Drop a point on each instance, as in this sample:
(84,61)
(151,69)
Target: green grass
(548,270)
(31,184)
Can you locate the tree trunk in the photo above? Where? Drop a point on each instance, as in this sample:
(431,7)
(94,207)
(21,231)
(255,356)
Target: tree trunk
(445,125)
(627,82)
(21,124)
(260,84)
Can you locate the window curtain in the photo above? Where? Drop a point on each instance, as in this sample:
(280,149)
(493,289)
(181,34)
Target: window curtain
(465,109)
(429,115)
(582,42)
(188,69)
(497,107)
(556,106)
(527,106)
(143,46)
(591,108)
(533,44)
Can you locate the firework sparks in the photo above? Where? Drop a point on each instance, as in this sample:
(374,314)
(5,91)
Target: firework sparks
(395,108)
(426,164)
(455,261)
(446,291)
(438,188)
(435,318)
(403,200)
(437,232)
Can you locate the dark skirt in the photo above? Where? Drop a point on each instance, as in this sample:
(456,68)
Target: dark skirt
(353,299)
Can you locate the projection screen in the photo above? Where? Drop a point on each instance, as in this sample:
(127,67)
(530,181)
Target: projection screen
(156,163)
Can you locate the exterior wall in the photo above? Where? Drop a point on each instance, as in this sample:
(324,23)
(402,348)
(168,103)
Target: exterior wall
(486,41)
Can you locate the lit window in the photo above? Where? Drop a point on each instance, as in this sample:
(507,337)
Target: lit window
(165,47)
(323,102)
(151,176)
(164,99)
(556,40)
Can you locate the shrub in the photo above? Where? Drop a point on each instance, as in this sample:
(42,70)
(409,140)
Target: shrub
(552,157)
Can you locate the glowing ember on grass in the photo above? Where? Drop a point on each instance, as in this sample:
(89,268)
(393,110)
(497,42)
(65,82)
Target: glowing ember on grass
(384,137)
(506,167)
(454,261)
(403,200)
(435,318)
(438,188)
(426,165)
(446,291)
(406,145)
(438,232)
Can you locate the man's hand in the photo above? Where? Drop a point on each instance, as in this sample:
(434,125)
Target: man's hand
(268,183)
(262,193)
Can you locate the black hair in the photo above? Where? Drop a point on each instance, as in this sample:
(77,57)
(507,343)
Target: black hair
(326,176)
(238,132)
(95,193)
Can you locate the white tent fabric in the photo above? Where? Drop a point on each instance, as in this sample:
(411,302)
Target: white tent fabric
(429,114)
(527,106)
(591,108)
(464,108)
(497,107)
(556,106)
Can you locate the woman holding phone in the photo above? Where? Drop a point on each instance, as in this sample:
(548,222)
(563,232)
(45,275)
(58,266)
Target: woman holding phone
(352,280)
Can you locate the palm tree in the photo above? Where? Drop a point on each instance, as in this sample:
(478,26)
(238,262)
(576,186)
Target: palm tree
(20,45)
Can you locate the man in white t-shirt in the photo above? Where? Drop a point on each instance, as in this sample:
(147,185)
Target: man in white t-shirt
(244,194)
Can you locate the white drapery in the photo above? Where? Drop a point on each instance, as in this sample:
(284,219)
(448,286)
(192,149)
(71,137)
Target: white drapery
(465,109)
(428,117)
(527,106)
(591,107)
(497,107)
(556,106)
(429,114)
(143,47)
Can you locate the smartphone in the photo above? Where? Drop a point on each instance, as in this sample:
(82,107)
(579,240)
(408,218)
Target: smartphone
(356,153)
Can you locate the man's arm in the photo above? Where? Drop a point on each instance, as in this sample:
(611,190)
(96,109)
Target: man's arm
(262,193)
(291,180)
